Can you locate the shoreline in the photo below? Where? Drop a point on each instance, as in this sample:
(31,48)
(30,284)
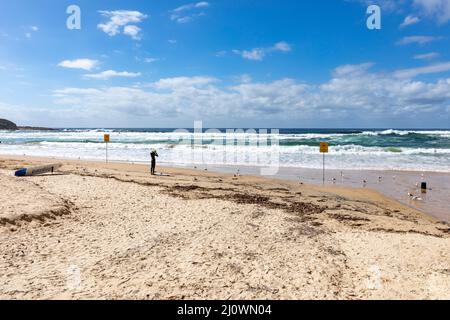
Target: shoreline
(434,203)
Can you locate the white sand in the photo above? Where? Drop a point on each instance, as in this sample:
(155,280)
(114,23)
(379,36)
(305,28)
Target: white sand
(208,236)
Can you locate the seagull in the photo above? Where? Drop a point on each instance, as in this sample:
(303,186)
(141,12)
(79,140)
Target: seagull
(414,198)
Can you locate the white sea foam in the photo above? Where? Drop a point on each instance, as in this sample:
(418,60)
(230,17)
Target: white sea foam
(135,146)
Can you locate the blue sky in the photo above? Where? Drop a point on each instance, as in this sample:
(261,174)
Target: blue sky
(229,63)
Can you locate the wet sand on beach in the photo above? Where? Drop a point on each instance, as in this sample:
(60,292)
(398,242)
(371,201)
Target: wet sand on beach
(393,184)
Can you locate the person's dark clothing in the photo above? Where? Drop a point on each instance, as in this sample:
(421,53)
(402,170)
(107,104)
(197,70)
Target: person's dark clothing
(154,154)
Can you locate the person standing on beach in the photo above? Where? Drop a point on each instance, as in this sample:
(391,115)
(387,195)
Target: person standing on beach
(153,154)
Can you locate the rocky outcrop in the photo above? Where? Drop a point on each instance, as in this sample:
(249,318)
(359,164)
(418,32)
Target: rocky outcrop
(35,129)
(7,125)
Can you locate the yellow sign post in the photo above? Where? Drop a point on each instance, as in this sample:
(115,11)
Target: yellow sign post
(324,149)
(106,139)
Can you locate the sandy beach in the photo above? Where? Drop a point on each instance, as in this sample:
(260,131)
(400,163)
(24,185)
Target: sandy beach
(97,231)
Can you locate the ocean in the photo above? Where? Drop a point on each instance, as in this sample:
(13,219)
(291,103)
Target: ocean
(353,149)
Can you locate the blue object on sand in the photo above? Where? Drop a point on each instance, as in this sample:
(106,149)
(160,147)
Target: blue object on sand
(21,173)
(34,171)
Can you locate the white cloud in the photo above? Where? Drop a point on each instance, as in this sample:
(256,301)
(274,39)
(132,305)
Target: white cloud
(105,75)
(245,78)
(220,54)
(202,4)
(151,60)
(122,21)
(30,31)
(353,91)
(258,54)
(183,82)
(185,14)
(191,6)
(85,64)
(19,114)
(418,40)
(186,19)
(179,19)
(437,9)
(414,72)
(352,69)
(427,56)
(282,46)
(36,115)
(384,93)
(75,91)
(409,21)
(132,31)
